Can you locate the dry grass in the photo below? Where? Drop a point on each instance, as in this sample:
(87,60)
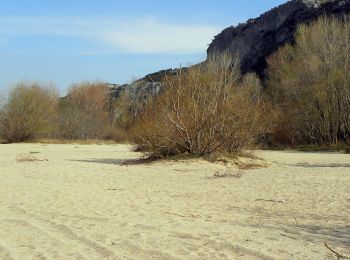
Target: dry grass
(74,141)
(243,160)
(237,174)
(28,158)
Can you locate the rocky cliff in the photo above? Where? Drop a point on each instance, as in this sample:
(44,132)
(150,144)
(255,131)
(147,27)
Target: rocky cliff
(252,41)
(258,38)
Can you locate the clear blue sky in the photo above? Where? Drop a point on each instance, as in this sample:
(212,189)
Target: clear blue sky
(68,41)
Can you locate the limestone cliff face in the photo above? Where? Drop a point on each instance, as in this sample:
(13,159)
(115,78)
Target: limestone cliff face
(258,38)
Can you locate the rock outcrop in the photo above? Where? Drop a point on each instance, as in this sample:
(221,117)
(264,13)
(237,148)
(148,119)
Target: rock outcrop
(141,88)
(258,38)
(148,85)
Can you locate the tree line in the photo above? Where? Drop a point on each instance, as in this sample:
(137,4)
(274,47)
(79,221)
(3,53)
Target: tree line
(208,108)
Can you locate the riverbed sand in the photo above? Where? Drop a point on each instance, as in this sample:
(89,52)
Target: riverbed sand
(74,201)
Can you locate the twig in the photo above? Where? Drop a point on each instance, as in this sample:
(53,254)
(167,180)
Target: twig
(179,170)
(336,253)
(148,200)
(171,213)
(296,222)
(258,224)
(183,216)
(288,236)
(275,201)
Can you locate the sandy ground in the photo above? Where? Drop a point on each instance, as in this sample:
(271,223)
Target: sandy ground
(81,202)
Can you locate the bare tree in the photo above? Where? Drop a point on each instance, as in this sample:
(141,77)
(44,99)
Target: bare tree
(310,83)
(84,113)
(29,112)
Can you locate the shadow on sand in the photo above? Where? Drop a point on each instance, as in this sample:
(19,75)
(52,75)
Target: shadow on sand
(120,162)
(333,165)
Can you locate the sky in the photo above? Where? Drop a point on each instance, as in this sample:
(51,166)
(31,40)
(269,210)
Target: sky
(115,41)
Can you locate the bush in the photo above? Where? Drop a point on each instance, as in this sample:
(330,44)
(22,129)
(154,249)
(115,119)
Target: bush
(309,83)
(207,109)
(29,112)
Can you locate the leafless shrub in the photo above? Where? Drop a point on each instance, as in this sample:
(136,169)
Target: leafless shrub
(204,110)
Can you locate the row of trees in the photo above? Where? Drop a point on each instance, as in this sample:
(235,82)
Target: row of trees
(35,111)
(210,107)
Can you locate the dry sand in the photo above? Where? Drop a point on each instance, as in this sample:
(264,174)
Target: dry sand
(80,202)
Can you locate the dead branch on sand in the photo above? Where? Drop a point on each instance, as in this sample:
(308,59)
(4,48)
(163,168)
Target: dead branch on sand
(228,173)
(335,252)
(275,201)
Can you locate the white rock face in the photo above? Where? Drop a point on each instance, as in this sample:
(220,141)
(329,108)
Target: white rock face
(317,3)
